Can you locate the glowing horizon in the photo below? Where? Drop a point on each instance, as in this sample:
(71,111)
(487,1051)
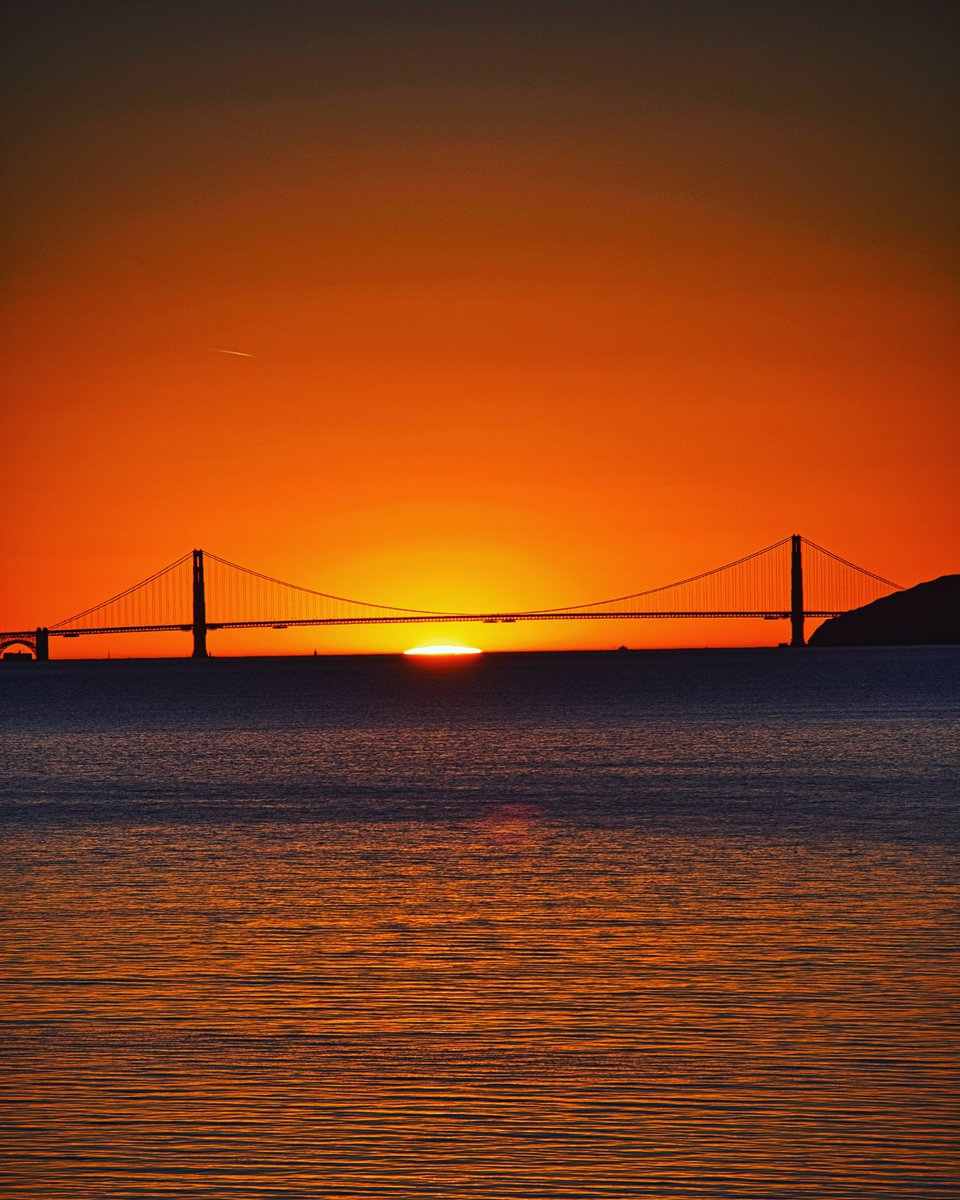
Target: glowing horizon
(443,650)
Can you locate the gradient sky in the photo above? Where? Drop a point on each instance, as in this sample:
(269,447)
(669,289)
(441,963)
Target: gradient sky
(543,302)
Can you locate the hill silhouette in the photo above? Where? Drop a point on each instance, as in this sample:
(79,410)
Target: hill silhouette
(928,614)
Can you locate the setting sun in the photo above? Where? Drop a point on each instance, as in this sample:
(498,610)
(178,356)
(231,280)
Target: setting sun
(443,650)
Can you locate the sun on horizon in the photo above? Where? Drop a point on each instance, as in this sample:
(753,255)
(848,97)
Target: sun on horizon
(443,649)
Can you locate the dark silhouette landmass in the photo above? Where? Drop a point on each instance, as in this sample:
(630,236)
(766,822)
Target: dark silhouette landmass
(928,614)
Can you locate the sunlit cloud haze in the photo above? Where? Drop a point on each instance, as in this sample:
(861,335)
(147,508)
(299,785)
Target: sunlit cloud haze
(474,307)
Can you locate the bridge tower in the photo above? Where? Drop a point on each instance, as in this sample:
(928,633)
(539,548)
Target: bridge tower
(199,608)
(42,644)
(796,591)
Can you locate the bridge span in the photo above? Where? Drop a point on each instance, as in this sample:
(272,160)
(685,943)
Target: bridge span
(792,580)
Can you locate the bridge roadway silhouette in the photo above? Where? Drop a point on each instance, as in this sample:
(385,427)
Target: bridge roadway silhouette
(767,584)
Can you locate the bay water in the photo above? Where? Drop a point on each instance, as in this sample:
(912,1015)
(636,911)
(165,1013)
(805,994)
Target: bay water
(534,926)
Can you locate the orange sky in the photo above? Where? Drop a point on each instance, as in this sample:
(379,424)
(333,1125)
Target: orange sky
(544,303)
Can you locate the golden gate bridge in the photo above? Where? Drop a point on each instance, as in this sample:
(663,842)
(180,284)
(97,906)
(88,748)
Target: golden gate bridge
(793,579)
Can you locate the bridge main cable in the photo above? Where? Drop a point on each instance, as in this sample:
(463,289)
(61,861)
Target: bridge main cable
(666,587)
(122,595)
(392,608)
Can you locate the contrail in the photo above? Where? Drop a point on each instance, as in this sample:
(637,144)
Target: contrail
(238,353)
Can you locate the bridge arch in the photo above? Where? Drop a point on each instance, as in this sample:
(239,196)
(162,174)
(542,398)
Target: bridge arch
(28,643)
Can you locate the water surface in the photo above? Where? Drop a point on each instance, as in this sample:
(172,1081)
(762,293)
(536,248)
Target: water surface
(562,925)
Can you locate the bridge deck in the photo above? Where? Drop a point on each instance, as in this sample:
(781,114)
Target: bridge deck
(488,618)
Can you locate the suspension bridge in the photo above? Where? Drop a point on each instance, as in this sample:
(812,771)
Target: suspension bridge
(792,580)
